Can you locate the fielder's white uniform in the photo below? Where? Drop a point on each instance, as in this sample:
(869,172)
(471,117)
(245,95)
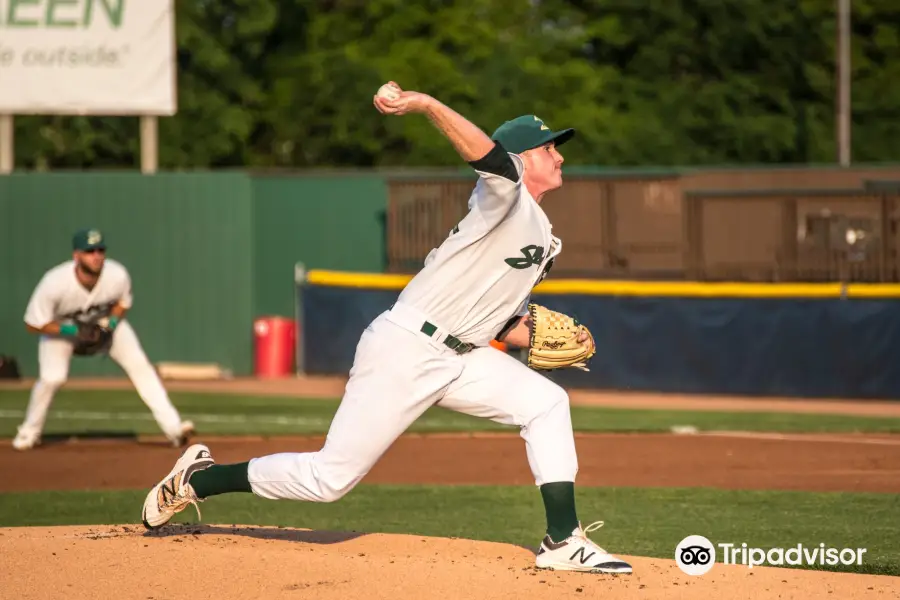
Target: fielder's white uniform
(470,287)
(60,296)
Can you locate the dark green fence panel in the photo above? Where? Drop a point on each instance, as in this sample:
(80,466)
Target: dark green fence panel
(185,238)
(333,222)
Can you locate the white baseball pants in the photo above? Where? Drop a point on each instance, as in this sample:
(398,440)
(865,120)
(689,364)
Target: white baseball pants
(54,356)
(398,373)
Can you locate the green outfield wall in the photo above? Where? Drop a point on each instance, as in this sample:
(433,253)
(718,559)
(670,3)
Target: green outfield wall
(207,252)
(324,222)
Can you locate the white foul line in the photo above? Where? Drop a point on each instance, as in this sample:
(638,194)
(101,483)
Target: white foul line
(146,416)
(288,421)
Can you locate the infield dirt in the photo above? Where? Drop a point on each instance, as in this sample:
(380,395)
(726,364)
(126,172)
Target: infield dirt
(245,563)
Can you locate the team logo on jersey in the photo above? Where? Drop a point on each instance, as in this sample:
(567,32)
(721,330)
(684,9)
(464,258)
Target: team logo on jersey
(92,313)
(531,256)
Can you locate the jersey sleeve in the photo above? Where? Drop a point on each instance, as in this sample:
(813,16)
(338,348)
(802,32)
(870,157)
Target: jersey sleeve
(523,308)
(41,308)
(126,298)
(520,312)
(495,195)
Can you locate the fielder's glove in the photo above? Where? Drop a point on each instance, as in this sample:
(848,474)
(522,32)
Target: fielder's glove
(92,339)
(554,341)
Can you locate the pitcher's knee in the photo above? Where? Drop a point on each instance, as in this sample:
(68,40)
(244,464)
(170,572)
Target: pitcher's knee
(301,476)
(549,399)
(335,487)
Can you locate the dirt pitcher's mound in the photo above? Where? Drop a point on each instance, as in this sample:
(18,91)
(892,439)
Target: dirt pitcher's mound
(242,563)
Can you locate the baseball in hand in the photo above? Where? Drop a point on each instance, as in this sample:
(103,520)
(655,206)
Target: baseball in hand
(388,91)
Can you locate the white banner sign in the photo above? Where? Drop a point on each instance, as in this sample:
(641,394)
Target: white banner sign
(87,57)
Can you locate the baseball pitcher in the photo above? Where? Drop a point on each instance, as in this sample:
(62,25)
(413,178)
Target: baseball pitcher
(78,308)
(433,348)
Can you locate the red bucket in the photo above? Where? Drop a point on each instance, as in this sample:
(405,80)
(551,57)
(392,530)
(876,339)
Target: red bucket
(274,340)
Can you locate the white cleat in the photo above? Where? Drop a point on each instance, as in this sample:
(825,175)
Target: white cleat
(26,439)
(578,553)
(173,494)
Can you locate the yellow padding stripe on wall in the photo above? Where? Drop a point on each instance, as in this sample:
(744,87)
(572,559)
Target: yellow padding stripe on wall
(595,287)
(873,290)
(688,288)
(372,281)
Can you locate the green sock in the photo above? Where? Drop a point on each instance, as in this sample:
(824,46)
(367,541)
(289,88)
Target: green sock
(559,502)
(221,479)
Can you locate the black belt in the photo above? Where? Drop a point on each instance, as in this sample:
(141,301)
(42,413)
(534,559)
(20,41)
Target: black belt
(450,341)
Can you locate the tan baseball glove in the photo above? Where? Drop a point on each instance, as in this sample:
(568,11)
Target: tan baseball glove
(554,341)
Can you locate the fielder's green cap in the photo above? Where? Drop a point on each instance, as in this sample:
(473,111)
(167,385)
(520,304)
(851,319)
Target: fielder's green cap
(88,239)
(527,132)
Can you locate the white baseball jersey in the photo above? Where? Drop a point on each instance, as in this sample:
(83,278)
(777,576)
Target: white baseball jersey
(59,295)
(474,283)
(471,286)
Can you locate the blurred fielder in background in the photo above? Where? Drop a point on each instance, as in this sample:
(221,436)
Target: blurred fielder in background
(79,307)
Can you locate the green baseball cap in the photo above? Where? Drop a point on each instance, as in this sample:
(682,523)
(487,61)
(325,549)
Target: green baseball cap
(88,239)
(527,132)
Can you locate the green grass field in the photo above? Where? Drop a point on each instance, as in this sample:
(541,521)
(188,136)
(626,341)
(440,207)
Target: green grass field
(123,412)
(643,522)
(639,521)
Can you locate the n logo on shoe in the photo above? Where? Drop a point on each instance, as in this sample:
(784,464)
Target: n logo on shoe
(166,492)
(169,489)
(582,559)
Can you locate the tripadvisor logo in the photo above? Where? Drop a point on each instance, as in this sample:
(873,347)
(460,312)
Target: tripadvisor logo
(696,555)
(61,14)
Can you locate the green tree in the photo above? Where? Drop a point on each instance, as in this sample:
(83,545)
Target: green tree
(221,50)
(875,73)
(701,81)
(287,83)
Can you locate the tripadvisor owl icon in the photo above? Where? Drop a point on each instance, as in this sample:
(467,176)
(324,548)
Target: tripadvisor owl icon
(695,555)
